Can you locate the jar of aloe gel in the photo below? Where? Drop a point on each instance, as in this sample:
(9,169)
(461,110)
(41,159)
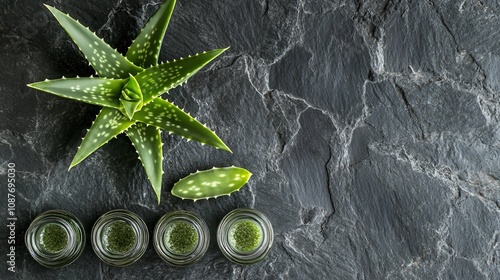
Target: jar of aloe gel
(181,238)
(245,236)
(119,237)
(55,238)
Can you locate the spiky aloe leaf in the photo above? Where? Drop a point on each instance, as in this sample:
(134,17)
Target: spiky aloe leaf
(106,61)
(161,78)
(108,123)
(145,49)
(97,91)
(131,98)
(211,183)
(165,115)
(147,141)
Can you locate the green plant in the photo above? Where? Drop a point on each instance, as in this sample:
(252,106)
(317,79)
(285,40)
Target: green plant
(129,88)
(211,183)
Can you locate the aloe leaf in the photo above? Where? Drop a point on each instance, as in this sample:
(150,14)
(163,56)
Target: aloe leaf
(131,98)
(147,141)
(108,123)
(167,116)
(161,78)
(211,183)
(106,61)
(145,49)
(96,91)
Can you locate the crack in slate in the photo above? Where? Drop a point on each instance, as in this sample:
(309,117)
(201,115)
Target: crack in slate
(451,178)
(324,225)
(411,112)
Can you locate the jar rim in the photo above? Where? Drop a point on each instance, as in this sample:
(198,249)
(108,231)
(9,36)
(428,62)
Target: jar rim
(179,259)
(75,234)
(115,258)
(258,253)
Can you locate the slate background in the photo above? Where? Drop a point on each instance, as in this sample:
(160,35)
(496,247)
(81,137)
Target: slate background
(371,128)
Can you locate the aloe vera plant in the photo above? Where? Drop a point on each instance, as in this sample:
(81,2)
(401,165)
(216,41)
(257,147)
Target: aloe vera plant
(129,88)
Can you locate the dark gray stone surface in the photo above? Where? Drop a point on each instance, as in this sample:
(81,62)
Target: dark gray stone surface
(371,127)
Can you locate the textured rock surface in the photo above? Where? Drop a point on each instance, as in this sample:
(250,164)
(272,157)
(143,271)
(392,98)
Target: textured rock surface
(371,128)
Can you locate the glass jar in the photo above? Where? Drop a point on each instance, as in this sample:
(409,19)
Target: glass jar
(181,238)
(55,238)
(119,237)
(245,236)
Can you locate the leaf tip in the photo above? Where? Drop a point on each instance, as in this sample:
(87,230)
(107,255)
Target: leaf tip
(49,7)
